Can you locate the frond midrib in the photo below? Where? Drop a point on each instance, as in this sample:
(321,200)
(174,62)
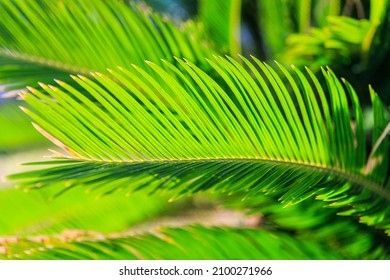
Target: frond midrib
(354,178)
(55,64)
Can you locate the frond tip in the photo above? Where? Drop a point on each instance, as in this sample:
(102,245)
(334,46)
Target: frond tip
(241,129)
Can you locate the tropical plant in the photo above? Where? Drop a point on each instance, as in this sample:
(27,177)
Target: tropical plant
(278,162)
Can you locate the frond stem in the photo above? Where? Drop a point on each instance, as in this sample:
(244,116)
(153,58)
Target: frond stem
(44,62)
(351,177)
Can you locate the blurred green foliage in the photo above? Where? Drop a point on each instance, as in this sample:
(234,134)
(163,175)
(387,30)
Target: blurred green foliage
(350,36)
(16,131)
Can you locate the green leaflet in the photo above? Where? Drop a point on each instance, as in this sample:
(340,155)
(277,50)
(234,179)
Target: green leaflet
(196,243)
(244,133)
(42,40)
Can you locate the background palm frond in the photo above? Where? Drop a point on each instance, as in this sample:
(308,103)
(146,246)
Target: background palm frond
(170,243)
(313,220)
(349,36)
(42,40)
(340,42)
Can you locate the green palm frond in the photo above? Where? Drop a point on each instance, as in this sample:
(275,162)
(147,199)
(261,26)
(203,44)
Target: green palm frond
(281,18)
(169,244)
(239,132)
(337,43)
(312,220)
(42,40)
(341,41)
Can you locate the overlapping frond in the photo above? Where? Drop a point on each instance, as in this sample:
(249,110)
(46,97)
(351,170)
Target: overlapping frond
(197,243)
(312,220)
(41,40)
(241,131)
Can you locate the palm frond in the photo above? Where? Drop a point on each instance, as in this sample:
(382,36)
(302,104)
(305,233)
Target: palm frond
(50,39)
(281,18)
(341,41)
(168,244)
(338,43)
(239,132)
(312,220)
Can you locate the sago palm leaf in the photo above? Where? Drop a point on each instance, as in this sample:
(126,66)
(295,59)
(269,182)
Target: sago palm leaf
(239,132)
(341,40)
(42,40)
(337,43)
(312,220)
(168,243)
(281,18)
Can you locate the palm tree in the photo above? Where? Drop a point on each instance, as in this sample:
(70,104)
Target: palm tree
(170,112)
